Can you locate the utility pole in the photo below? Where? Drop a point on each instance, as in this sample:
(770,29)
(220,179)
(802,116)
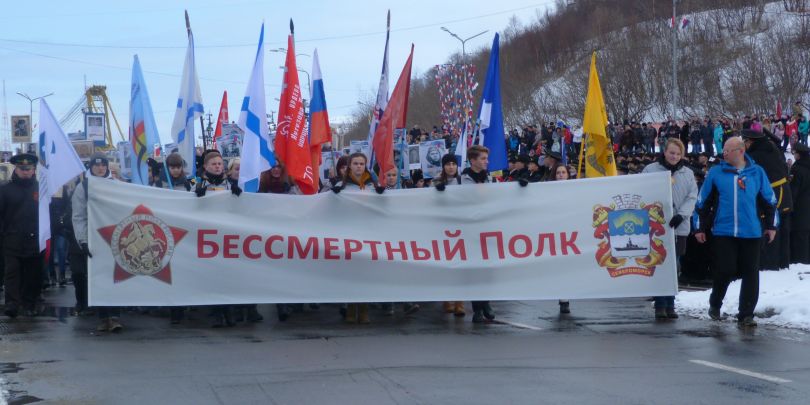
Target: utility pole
(674,61)
(31,112)
(6,134)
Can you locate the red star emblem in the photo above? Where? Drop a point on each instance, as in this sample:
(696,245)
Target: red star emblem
(142,244)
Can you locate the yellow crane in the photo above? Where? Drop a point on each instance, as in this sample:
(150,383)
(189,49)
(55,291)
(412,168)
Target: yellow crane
(94,100)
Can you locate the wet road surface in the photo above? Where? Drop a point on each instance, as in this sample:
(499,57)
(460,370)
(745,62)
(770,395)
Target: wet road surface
(609,351)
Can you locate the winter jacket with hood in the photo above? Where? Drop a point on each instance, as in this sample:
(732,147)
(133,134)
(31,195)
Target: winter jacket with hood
(731,199)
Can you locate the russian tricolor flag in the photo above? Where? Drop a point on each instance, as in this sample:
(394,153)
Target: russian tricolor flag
(319,131)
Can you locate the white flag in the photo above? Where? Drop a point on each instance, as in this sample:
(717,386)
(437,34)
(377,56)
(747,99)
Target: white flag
(58,164)
(382,97)
(257,153)
(189,108)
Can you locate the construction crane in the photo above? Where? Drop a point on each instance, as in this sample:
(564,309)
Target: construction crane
(94,100)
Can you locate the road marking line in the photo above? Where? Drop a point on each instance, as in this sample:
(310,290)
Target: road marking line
(741,371)
(517,325)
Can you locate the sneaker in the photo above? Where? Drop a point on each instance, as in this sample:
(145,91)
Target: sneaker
(747,322)
(104,326)
(565,308)
(115,325)
(714,313)
(671,314)
(660,313)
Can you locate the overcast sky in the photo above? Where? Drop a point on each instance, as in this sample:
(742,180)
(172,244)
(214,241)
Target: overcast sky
(50,46)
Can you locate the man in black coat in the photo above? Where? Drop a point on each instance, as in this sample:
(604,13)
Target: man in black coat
(800,189)
(707,136)
(765,153)
(19,210)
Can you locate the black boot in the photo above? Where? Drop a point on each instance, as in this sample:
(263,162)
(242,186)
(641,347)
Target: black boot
(660,313)
(478,316)
(226,315)
(283,312)
(239,315)
(11,311)
(565,308)
(219,320)
(253,314)
(488,312)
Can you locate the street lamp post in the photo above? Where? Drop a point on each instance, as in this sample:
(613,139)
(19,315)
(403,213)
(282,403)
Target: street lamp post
(284,50)
(463,41)
(31,111)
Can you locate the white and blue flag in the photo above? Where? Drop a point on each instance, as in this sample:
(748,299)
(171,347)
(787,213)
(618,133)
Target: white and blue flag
(189,108)
(58,164)
(257,153)
(490,115)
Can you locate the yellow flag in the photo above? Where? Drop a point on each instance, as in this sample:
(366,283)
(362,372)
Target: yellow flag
(598,159)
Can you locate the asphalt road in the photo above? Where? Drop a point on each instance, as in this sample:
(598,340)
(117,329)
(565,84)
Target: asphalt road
(605,352)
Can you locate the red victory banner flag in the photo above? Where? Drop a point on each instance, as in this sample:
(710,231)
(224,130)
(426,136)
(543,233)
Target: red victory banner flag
(223,117)
(292,143)
(393,118)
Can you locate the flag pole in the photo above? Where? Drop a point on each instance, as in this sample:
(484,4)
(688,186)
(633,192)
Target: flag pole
(581,152)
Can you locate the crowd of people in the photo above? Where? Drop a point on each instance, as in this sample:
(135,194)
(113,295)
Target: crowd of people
(733,215)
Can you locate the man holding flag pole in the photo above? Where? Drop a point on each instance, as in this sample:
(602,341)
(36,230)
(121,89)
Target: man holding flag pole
(25,211)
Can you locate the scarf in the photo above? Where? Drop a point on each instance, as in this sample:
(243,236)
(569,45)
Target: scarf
(362,181)
(672,168)
(215,179)
(480,177)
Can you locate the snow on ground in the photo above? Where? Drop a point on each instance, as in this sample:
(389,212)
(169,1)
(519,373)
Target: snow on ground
(3,393)
(784,299)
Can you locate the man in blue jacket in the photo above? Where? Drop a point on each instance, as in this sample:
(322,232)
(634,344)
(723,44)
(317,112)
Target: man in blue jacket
(731,200)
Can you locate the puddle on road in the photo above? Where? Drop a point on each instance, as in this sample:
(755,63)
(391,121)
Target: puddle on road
(10,368)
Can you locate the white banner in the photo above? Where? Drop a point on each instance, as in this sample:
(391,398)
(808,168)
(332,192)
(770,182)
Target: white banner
(591,238)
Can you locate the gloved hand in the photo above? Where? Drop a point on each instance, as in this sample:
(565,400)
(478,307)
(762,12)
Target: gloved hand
(235,190)
(85,250)
(523,181)
(200,191)
(379,189)
(440,186)
(337,189)
(675,221)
